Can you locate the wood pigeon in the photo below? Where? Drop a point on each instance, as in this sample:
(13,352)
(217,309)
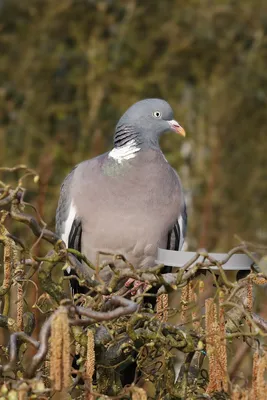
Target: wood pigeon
(129,200)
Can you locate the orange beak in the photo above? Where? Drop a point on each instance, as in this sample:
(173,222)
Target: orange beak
(176,127)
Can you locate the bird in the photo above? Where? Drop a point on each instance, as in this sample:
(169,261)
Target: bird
(129,200)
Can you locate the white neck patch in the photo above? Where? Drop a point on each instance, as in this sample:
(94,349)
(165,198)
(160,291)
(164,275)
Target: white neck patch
(124,152)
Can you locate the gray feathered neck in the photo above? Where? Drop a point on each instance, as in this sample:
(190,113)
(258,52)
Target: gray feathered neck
(125,134)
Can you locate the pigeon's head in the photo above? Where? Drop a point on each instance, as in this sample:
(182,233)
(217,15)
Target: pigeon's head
(145,122)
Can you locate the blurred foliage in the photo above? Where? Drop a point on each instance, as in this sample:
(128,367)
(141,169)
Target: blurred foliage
(69,69)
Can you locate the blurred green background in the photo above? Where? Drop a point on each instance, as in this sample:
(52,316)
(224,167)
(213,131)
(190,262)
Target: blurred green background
(70,68)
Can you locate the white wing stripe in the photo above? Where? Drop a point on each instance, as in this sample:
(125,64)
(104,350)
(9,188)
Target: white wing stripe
(68,224)
(181,228)
(67,227)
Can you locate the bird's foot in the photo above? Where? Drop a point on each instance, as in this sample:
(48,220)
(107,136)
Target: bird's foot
(137,285)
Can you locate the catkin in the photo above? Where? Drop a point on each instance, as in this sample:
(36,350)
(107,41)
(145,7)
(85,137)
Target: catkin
(261,386)
(249,298)
(222,353)
(7,264)
(187,297)
(196,323)
(60,350)
(8,253)
(254,375)
(196,314)
(211,327)
(90,363)
(216,346)
(184,300)
(46,367)
(19,306)
(259,280)
(162,307)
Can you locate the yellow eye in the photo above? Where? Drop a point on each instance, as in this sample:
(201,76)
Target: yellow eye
(157,114)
